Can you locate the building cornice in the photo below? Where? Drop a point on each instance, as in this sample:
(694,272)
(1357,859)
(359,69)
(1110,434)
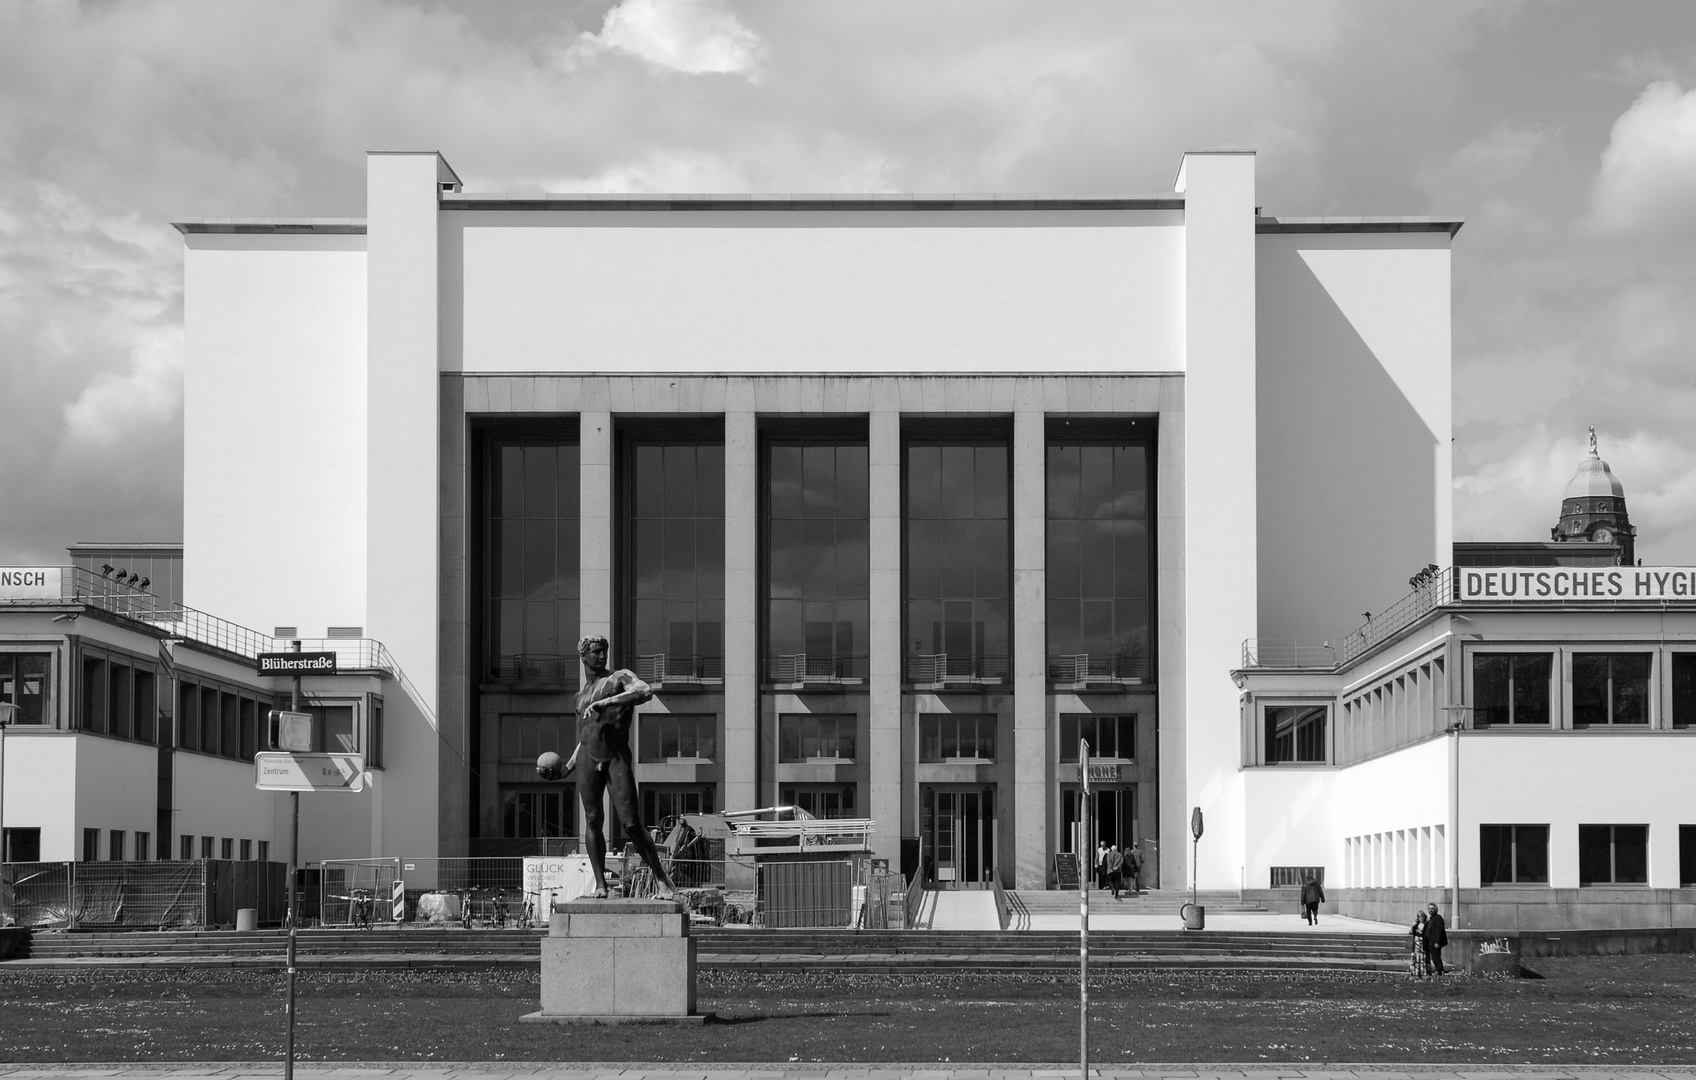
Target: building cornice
(664,202)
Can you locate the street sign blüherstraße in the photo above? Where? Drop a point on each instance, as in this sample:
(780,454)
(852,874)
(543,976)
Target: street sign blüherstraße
(278,771)
(297,663)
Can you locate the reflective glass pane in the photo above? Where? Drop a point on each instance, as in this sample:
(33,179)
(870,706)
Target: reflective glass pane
(679,481)
(958,557)
(992,566)
(1063,481)
(679,557)
(1096,483)
(924,482)
(509,485)
(709,481)
(990,481)
(1630,688)
(1531,688)
(1590,688)
(818,548)
(1490,688)
(650,481)
(957,482)
(818,481)
(541,481)
(924,559)
(1531,854)
(853,557)
(1631,854)
(1065,569)
(785,473)
(852,478)
(538,559)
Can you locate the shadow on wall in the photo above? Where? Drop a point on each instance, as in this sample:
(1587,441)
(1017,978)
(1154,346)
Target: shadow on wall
(1346,466)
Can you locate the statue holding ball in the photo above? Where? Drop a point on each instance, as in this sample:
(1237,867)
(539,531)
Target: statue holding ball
(605,711)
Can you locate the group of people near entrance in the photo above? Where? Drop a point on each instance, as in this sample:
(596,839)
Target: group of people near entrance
(1119,869)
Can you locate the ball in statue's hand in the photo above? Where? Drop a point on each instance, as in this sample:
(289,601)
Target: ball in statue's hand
(549,766)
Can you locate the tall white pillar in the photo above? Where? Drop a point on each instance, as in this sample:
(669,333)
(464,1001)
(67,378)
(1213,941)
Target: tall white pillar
(1030,648)
(594,525)
(1220,512)
(884,528)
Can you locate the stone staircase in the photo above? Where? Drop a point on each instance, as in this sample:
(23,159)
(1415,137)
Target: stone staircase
(1148,902)
(870,951)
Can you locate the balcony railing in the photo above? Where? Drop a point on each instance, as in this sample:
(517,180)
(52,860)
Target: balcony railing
(1080,669)
(956,669)
(1430,594)
(804,669)
(679,669)
(1288,653)
(533,669)
(116,597)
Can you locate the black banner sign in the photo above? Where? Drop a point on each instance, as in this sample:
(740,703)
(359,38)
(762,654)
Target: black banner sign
(297,663)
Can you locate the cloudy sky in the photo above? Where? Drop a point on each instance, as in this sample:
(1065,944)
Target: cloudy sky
(1564,132)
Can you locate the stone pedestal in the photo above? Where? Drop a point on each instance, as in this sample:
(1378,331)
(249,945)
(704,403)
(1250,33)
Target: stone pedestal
(617,961)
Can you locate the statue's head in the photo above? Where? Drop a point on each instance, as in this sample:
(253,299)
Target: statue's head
(593,641)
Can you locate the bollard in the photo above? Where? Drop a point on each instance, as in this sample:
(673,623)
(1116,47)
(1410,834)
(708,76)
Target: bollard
(247,918)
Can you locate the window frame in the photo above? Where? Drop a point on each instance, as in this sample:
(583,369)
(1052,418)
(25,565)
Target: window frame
(1587,880)
(1551,690)
(48,718)
(942,720)
(1515,833)
(1068,748)
(838,722)
(1263,751)
(651,731)
(1650,699)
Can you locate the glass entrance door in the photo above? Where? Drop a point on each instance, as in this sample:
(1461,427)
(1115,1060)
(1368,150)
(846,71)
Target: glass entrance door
(959,830)
(1113,820)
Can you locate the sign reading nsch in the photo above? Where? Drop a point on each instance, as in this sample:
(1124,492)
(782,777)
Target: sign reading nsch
(309,772)
(297,663)
(1577,584)
(30,582)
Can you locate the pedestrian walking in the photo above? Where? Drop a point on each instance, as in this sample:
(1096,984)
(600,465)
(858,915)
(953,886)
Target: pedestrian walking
(1416,961)
(1115,869)
(1133,867)
(1101,864)
(1311,897)
(1436,936)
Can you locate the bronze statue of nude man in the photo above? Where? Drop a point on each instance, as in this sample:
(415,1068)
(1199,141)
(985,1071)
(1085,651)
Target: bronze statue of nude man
(605,711)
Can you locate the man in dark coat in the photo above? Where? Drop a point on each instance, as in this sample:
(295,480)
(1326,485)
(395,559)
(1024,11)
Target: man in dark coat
(1311,897)
(1436,936)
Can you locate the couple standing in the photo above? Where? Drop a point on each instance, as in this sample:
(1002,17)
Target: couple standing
(1429,933)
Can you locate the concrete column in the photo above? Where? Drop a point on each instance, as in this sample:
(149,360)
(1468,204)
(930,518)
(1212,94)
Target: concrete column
(1030,648)
(741,609)
(1220,514)
(884,458)
(403,478)
(594,523)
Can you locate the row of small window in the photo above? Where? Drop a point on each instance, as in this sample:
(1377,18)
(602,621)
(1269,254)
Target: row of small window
(118,847)
(803,737)
(1607,855)
(1607,688)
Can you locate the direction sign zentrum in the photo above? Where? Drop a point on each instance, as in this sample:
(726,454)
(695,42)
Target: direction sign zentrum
(309,772)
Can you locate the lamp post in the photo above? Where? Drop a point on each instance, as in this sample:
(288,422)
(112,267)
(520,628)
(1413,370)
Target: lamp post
(1457,721)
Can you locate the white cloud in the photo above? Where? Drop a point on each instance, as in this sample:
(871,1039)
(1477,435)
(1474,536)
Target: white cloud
(149,393)
(1647,181)
(695,37)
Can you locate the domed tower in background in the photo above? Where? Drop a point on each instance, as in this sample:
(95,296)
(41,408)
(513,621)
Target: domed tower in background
(1593,507)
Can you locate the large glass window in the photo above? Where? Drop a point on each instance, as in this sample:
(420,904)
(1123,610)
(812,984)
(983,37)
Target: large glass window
(820,800)
(818,562)
(1511,688)
(526,738)
(532,582)
(1610,688)
(1513,854)
(664,802)
(1099,562)
(1296,734)
(536,811)
(663,736)
(676,564)
(23,682)
(1683,689)
(1108,736)
(945,737)
(958,567)
(1613,854)
(807,737)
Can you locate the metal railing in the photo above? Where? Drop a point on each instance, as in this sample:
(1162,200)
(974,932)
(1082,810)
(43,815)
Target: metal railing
(1434,592)
(805,668)
(675,668)
(1288,653)
(139,895)
(1099,667)
(533,669)
(942,669)
(118,598)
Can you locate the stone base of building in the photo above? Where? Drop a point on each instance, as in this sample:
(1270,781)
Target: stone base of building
(617,961)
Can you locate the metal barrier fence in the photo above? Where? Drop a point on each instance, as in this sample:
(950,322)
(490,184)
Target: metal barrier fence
(139,895)
(805,894)
(354,892)
(36,894)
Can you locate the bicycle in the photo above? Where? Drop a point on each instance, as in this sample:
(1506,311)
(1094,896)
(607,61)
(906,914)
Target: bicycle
(361,907)
(499,912)
(465,904)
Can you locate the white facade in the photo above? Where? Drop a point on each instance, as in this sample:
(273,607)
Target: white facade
(1258,350)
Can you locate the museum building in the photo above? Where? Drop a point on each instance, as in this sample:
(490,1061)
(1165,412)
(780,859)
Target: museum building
(893,500)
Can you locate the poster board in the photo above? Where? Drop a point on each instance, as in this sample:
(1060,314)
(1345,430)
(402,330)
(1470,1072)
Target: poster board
(1066,870)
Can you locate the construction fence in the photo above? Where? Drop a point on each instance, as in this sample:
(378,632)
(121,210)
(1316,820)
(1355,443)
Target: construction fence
(201,893)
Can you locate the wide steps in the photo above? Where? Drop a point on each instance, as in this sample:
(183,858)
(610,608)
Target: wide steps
(785,950)
(1052,902)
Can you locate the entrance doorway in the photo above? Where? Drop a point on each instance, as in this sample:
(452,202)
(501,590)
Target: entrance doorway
(1114,821)
(960,833)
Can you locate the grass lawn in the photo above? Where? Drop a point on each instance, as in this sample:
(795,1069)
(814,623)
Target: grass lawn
(1616,1010)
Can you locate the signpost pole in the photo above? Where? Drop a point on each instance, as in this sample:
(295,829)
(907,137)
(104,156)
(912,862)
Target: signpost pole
(294,909)
(1088,831)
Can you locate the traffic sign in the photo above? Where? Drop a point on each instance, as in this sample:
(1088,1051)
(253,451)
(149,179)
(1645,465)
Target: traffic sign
(397,900)
(309,772)
(289,730)
(296,663)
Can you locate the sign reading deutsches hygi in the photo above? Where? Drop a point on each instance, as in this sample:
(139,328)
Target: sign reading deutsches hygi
(297,663)
(1577,584)
(279,771)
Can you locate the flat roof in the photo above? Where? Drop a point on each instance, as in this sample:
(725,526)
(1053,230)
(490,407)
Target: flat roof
(1267,223)
(270,226)
(625,201)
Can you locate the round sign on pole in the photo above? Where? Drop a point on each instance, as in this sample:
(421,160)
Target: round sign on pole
(397,900)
